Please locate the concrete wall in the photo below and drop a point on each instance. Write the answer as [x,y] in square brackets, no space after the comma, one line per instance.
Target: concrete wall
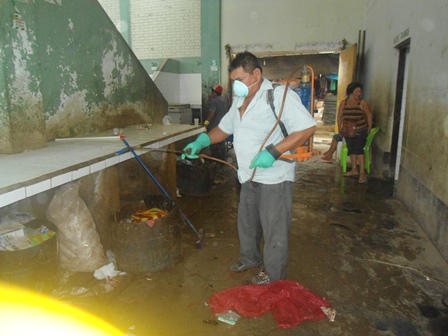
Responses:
[422,178]
[68,71]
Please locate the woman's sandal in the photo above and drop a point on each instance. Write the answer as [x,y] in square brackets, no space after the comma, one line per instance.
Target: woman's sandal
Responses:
[362,180]
[351,174]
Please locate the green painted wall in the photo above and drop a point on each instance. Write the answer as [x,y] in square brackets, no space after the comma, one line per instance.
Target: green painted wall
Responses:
[125,19]
[210,43]
[22,124]
[68,72]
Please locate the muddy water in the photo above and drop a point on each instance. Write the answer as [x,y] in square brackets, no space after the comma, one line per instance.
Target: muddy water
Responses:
[353,244]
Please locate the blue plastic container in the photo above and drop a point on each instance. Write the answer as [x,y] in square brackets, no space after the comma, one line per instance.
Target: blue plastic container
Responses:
[305,94]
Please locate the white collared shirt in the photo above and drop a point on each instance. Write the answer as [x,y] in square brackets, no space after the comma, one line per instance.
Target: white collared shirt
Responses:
[251,129]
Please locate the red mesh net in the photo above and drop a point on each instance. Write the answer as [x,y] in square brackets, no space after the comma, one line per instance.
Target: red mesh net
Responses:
[289,301]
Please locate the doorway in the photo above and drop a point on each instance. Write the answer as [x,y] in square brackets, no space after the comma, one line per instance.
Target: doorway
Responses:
[400,108]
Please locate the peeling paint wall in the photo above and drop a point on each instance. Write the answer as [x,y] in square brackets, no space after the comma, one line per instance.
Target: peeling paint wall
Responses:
[422,181]
[22,123]
[5,53]
[74,71]
[102,84]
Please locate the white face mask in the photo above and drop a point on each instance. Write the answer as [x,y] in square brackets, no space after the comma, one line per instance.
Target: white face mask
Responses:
[241,89]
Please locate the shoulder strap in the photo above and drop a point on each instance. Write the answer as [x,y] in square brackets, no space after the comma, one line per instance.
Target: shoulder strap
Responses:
[270,100]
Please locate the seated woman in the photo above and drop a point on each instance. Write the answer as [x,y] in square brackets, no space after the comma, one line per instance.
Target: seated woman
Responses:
[328,155]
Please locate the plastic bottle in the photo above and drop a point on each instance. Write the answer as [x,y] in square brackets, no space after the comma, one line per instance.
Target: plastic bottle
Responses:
[305,88]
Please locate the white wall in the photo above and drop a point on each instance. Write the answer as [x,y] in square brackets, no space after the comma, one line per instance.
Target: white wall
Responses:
[168,84]
[179,88]
[425,24]
[166,28]
[112,8]
[289,26]
[190,89]
[423,175]
[160,28]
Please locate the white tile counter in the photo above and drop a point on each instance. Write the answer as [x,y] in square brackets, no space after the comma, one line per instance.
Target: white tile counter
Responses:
[63,160]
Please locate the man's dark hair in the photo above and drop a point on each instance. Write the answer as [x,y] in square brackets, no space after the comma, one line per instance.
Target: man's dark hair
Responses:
[352,86]
[248,61]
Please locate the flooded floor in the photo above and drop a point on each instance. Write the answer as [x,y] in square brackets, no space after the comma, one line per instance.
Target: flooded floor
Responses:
[355,245]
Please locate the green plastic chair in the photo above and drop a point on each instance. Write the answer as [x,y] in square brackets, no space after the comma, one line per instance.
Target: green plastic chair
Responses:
[344,151]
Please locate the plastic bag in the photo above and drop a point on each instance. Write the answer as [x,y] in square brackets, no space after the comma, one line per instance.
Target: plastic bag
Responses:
[80,248]
[290,302]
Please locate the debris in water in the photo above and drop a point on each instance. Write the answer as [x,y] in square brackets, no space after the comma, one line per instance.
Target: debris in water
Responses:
[352,210]
[229,317]
[330,312]
[342,226]
[212,322]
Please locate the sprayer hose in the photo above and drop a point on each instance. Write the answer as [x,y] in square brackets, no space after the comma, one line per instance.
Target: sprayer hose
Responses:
[278,118]
[203,156]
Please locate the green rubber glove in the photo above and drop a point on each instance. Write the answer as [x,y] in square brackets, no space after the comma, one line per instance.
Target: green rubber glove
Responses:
[264,159]
[190,150]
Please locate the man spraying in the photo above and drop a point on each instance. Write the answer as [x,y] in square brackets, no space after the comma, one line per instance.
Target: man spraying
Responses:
[265,205]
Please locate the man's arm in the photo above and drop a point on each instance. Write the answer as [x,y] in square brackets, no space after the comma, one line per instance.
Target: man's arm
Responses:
[272,152]
[294,140]
[217,135]
[339,117]
[210,117]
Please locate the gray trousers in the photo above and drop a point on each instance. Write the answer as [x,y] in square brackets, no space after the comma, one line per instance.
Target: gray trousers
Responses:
[264,212]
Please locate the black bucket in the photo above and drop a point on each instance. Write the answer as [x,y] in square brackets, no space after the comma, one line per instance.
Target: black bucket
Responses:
[34,267]
[195,178]
[140,248]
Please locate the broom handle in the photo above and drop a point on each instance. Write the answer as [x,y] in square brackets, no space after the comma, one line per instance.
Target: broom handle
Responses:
[147,170]
[158,184]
